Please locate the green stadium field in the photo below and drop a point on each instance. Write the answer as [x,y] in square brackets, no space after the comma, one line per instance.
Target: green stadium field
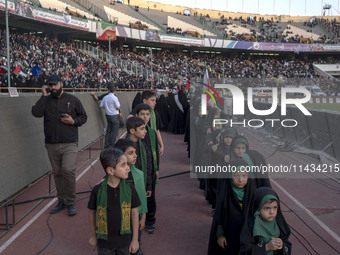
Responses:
[324,106]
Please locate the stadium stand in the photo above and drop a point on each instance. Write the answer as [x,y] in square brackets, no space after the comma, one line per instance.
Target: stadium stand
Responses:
[132,68]
[298,34]
[66,8]
[64,58]
[176,23]
[123,14]
[159,17]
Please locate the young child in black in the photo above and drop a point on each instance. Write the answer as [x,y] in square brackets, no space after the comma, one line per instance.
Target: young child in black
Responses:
[265,231]
[143,111]
[113,208]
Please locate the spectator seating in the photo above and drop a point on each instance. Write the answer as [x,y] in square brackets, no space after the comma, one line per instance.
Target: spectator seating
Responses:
[173,22]
[61,7]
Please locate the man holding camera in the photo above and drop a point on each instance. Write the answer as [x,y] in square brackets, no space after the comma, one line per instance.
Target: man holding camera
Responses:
[63,113]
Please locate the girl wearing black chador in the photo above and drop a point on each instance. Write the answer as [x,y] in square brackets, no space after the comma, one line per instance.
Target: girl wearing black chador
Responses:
[265,231]
[233,199]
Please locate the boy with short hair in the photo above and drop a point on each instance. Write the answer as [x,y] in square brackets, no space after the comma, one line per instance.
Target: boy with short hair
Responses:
[136,178]
[114,205]
[149,98]
[136,132]
[144,112]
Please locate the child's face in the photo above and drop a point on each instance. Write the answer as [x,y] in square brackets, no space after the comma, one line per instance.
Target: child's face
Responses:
[228,140]
[145,115]
[140,132]
[240,179]
[122,169]
[240,149]
[217,127]
[269,211]
[131,155]
[151,101]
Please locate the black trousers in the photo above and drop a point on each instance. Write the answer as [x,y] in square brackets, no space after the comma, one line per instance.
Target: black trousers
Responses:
[151,201]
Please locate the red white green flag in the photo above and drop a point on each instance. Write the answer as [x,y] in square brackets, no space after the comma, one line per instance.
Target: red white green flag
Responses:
[18,71]
[105,30]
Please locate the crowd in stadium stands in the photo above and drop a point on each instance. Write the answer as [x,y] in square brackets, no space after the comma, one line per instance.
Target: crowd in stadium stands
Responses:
[58,57]
[272,31]
[80,70]
[332,25]
[174,31]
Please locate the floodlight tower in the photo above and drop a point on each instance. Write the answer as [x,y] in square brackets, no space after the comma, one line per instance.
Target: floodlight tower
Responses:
[326,8]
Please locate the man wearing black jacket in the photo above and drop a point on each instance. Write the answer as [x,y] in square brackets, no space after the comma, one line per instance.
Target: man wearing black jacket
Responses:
[63,114]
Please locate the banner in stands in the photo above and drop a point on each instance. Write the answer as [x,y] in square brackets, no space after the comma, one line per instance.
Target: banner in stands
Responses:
[268,46]
[10,5]
[105,30]
[27,10]
[181,40]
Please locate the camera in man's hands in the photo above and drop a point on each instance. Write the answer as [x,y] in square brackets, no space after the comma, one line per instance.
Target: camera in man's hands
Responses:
[63,115]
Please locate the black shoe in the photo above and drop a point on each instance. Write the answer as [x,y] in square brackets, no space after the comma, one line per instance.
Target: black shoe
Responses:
[150,229]
[71,210]
[60,206]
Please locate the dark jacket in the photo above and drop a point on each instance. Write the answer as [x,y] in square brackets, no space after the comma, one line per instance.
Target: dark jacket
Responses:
[50,108]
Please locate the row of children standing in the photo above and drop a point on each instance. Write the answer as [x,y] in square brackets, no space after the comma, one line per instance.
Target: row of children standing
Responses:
[124,203]
[247,217]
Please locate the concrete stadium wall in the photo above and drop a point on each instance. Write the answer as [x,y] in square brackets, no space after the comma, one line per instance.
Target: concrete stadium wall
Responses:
[23,156]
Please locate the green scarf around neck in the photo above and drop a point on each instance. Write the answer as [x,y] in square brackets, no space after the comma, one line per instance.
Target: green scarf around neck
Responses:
[143,158]
[139,183]
[153,120]
[125,208]
[153,142]
[238,191]
[265,230]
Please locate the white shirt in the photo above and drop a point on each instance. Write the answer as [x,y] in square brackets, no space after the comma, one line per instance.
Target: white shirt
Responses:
[110,103]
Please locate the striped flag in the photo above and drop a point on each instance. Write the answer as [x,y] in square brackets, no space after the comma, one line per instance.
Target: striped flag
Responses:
[18,71]
[26,64]
[206,83]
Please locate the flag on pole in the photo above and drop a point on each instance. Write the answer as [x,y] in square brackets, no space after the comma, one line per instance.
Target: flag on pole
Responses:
[206,83]
[18,71]
[35,71]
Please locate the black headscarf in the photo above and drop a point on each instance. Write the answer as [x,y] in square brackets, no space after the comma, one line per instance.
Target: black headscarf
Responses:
[229,213]
[253,158]
[249,244]
[237,140]
[137,100]
[261,179]
[226,132]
